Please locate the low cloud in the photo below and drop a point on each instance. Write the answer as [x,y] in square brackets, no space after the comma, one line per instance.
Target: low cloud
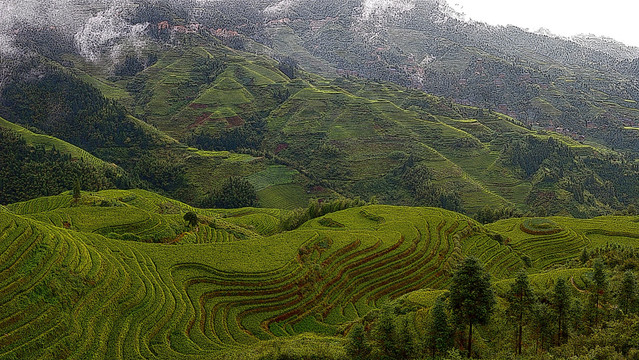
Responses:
[108,34]
[98,27]
[372,8]
[280,7]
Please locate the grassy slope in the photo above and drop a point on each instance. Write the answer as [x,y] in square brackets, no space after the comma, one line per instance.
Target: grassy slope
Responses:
[72,292]
[369,133]
[287,43]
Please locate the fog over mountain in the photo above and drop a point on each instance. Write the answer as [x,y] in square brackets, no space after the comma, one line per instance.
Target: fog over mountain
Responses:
[103,27]
[109,31]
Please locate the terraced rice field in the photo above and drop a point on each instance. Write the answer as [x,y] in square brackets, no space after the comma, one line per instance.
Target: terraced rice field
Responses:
[83,294]
[553,240]
[544,241]
[235,279]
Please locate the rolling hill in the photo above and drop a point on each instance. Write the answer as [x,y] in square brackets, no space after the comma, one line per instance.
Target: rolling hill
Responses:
[71,287]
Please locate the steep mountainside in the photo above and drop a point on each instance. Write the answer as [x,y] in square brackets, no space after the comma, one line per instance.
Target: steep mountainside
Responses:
[303,136]
[169,112]
[547,82]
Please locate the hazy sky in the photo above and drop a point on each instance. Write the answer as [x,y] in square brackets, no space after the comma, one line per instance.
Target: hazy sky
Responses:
[612,18]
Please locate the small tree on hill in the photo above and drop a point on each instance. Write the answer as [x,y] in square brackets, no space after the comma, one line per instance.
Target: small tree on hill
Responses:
[439,334]
[77,192]
[191,218]
[521,302]
[584,257]
[561,303]
[472,300]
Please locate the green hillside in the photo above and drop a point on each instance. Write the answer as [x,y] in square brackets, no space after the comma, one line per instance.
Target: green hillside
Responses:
[80,279]
[50,142]
[202,112]
[362,138]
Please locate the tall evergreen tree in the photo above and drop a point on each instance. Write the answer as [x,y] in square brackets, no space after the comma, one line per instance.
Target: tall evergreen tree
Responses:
[439,332]
[561,303]
[404,340]
[385,333]
[521,301]
[542,319]
[627,293]
[599,285]
[472,300]
[357,348]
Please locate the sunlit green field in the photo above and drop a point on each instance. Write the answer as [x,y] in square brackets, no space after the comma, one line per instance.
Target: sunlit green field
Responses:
[120,275]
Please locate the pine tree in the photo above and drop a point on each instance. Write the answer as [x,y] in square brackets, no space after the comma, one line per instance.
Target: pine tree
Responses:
[627,294]
[385,333]
[542,319]
[599,285]
[357,348]
[561,304]
[439,333]
[521,301]
[576,315]
[77,192]
[472,300]
[404,340]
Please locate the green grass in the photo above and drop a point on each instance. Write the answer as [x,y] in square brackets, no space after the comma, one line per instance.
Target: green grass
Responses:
[285,196]
[272,175]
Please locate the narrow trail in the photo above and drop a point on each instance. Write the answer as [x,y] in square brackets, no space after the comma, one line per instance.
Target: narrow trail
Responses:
[572,281]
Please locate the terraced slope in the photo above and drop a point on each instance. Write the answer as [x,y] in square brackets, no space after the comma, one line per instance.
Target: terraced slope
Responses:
[548,241]
[145,216]
[355,143]
[68,291]
[83,294]
[372,132]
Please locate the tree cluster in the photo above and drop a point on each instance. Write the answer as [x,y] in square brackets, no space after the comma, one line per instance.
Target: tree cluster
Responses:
[418,179]
[63,106]
[490,214]
[28,172]
[247,136]
[234,192]
[316,209]
[559,320]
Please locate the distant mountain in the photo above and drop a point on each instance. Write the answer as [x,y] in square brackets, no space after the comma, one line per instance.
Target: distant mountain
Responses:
[544,81]
[608,46]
